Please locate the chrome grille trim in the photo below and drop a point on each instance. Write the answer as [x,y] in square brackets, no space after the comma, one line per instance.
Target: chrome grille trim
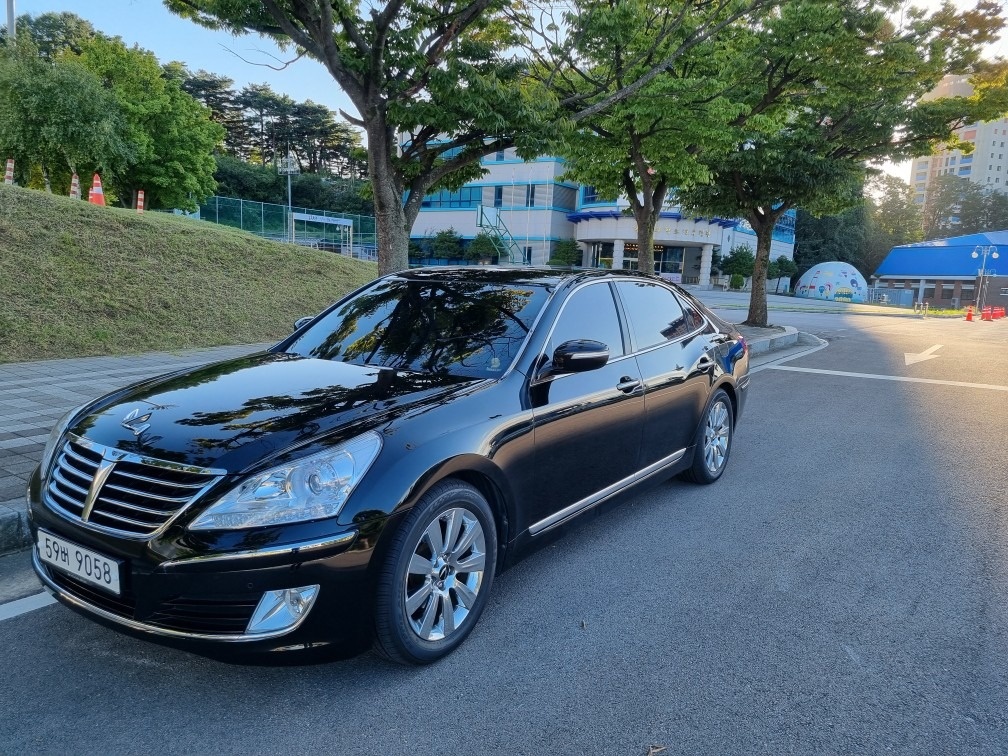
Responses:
[132,512]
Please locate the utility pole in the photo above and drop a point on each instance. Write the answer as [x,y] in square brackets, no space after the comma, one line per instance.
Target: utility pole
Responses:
[11,22]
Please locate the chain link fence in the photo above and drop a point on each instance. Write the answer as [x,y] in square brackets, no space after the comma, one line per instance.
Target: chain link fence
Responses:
[271,221]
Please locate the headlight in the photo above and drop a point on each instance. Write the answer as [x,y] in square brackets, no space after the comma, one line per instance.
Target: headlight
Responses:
[54,438]
[309,489]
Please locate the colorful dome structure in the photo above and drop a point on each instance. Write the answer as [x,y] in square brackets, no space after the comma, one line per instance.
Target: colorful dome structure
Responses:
[833,281]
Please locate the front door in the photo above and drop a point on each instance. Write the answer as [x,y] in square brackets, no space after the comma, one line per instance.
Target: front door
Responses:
[587,425]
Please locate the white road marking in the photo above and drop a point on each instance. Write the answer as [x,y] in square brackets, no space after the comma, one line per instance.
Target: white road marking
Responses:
[927,354]
[25,605]
[900,378]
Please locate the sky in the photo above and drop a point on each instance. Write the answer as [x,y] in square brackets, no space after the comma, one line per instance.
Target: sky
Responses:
[150,25]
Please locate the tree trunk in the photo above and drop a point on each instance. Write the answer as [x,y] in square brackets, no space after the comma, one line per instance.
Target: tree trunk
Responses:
[763,224]
[647,219]
[390,215]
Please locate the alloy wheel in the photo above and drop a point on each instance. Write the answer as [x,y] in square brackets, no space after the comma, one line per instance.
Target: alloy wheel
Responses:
[445,574]
[716,436]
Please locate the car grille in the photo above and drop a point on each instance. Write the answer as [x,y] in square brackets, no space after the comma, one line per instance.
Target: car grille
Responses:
[135,497]
[219,615]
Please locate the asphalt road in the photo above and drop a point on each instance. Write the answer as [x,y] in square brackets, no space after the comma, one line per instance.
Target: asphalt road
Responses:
[843,588]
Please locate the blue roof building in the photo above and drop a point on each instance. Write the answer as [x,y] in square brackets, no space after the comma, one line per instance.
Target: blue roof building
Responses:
[944,272]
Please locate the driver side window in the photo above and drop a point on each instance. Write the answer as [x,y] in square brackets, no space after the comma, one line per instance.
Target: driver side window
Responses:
[590,313]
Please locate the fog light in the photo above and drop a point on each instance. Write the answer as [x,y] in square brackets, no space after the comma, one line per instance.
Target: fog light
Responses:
[282,610]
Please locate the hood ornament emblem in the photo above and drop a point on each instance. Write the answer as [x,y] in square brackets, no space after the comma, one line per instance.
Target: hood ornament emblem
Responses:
[135,422]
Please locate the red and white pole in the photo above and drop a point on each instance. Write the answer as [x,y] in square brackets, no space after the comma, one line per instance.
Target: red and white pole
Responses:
[140,200]
[9,175]
[75,187]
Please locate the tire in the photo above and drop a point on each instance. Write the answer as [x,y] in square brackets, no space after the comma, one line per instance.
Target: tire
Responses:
[712,444]
[426,604]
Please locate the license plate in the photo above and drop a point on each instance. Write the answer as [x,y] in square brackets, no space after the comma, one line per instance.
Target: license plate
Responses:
[80,562]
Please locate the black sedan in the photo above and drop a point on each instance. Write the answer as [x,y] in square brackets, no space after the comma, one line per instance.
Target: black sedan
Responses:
[367,477]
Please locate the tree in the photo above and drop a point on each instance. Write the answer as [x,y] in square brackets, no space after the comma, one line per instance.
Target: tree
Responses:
[830,237]
[432,84]
[54,33]
[740,261]
[447,244]
[481,248]
[782,267]
[633,148]
[841,87]
[217,94]
[566,252]
[42,108]
[171,134]
[438,86]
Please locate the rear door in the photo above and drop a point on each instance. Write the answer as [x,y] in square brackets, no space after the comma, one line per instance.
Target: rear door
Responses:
[674,361]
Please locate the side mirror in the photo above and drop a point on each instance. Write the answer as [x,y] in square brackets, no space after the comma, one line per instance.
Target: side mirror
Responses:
[302,322]
[579,356]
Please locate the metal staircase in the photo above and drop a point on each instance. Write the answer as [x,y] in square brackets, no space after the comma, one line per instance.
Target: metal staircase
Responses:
[489,219]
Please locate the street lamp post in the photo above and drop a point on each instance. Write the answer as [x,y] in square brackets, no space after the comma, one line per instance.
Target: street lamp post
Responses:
[983,251]
[288,166]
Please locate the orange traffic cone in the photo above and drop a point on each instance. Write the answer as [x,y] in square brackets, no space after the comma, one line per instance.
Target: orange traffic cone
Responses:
[9,175]
[75,187]
[140,200]
[96,196]
[969,314]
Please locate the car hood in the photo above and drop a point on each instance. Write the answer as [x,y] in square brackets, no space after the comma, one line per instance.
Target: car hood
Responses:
[230,415]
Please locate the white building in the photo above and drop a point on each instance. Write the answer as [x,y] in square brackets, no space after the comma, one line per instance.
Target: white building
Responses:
[529,204]
[986,165]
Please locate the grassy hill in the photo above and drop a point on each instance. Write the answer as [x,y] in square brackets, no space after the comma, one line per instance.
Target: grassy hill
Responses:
[79,280]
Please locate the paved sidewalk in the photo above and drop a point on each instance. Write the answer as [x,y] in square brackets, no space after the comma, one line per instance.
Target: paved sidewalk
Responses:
[34,395]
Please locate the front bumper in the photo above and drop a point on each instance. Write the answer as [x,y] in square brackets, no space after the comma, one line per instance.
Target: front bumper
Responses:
[206,601]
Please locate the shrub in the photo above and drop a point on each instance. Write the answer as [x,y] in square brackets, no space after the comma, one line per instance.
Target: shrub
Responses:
[447,244]
[566,253]
[737,281]
[481,248]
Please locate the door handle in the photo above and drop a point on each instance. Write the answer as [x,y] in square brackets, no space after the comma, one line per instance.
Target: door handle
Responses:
[706,363]
[628,385]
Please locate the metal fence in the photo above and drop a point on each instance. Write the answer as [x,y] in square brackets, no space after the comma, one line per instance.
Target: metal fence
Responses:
[881,295]
[272,222]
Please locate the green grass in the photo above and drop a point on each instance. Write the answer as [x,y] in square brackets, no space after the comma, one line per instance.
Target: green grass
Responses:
[78,280]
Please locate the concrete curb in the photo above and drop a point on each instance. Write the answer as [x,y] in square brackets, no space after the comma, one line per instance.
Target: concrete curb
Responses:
[14,534]
[773,343]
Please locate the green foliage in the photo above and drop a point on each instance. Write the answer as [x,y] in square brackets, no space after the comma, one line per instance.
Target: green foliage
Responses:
[53,33]
[171,134]
[78,280]
[740,261]
[452,88]
[447,244]
[58,116]
[782,267]
[481,248]
[736,281]
[975,208]
[633,148]
[566,252]
[842,88]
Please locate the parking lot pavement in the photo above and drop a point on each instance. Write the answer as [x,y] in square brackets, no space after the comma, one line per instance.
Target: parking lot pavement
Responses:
[34,395]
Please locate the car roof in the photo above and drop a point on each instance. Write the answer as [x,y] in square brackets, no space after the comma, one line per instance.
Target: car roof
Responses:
[499,274]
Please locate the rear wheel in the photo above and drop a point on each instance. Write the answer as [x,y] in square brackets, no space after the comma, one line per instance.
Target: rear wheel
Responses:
[713,442]
[439,570]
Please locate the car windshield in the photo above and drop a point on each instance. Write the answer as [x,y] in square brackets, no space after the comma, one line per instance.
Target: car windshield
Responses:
[471,329]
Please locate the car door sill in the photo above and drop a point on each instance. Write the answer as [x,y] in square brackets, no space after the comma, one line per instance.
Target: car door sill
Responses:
[598,497]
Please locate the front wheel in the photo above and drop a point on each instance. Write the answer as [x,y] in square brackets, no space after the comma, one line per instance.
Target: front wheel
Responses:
[713,442]
[439,570]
